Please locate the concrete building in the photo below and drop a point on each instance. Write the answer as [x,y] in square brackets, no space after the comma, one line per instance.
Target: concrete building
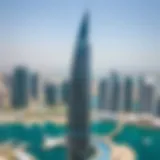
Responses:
[78,137]
[20,87]
[103,94]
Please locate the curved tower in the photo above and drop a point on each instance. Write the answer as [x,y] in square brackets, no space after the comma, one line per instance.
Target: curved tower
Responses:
[80,96]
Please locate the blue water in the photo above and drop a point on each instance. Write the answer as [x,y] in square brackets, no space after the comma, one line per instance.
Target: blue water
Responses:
[104,149]
[145,141]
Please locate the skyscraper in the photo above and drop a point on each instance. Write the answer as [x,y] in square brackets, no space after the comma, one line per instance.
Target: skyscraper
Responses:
[148,98]
[80,96]
[103,90]
[158,107]
[128,91]
[66,92]
[141,88]
[34,85]
[50,94]
[114,92]
[20,87]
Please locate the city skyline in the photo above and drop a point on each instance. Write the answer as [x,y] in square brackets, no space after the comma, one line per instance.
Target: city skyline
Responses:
[40,34]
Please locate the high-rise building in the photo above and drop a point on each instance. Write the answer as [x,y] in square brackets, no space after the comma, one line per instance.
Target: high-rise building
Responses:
[114,92]
[50,94]
[3,92]
[158,107]
[141,89]
[148,98]
[80,96]
[20,87]
[103,96]
[65,92]
[34,85]
[128,91]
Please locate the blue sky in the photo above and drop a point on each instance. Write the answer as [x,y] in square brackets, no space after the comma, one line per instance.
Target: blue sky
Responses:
[41,33]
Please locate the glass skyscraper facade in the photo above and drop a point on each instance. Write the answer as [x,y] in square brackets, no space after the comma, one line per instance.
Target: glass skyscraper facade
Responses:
[103,94]
[141,90]
[128,92]
[34,85]
[20,87]
[80,96]
[158,107]
[50,94]
[148,98]
[65,92]
[114,92]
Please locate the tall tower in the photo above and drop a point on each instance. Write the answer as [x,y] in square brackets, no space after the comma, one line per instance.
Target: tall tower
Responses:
[141,89]
[80,96]
[115,92]
[158,107]
[128,91]
[34,85]
[66,92]
[103,90]
[50,94]
[20,87]
[148,98]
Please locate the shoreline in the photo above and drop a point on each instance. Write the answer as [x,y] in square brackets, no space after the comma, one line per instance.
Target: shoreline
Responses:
[57,115]
[38,117]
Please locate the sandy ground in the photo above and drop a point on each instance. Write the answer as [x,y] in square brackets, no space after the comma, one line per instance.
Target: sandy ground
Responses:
[33,115]
[8,152]
[119,152]
[58,115]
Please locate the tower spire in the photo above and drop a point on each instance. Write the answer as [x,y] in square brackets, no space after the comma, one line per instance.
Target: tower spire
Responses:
[84,27]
